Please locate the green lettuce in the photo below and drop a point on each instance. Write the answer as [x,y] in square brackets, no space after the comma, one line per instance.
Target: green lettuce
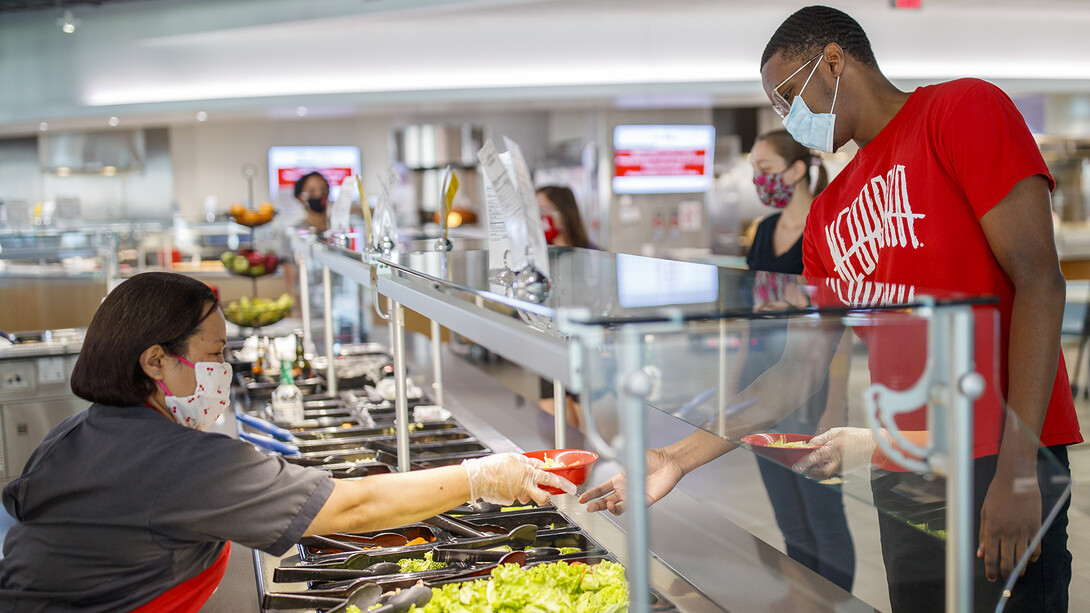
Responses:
[558,587]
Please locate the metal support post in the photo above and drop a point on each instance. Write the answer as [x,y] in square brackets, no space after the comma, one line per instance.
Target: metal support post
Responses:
[437,360]
[304,299]
[635,386]
[964,385]
[725,393]
[401,402]
[327,293]
[560,415]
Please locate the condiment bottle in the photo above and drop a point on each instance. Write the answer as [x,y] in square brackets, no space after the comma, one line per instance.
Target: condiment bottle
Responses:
[301,366]
[287,398]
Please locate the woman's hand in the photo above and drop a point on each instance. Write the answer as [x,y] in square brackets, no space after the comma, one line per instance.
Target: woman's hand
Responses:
[663,473]
[506,477]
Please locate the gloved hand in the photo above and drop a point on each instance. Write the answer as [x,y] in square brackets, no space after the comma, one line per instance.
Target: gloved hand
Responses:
[843,450]
[506,477]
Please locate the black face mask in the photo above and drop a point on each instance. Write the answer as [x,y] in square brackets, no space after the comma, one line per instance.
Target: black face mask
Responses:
[316,204]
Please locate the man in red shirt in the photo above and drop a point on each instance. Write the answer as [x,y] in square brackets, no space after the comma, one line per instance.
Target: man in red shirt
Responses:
[947,192]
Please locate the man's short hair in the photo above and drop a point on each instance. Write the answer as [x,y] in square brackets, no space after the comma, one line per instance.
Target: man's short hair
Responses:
[804,34]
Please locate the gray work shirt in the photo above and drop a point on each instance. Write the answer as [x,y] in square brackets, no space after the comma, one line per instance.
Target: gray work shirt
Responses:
[118,505]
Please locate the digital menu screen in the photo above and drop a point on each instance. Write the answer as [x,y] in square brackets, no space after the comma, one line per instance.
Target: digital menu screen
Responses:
[658,159]
[287,164]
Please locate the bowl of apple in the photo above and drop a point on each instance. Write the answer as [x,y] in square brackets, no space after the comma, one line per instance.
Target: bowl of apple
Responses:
[250,263]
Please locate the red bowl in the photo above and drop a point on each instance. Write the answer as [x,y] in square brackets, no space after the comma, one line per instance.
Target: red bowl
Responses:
[576,463]
[788,456]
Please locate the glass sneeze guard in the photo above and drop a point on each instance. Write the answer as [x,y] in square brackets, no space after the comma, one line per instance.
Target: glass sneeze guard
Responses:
[735,354]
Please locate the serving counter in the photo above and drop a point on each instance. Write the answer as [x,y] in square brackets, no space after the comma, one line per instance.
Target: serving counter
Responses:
[655,345]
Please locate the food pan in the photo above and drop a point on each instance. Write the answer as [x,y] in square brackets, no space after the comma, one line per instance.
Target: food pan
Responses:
[262,390]
[428,451]
[377,431]
[341,566]
[321,458]
[357,471]
[545,520]
[334,444]
[309,551]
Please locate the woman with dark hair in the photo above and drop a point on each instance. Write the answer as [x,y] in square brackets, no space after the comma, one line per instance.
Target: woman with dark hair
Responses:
[560,214]
[312,190]
[130,506]
[788,176]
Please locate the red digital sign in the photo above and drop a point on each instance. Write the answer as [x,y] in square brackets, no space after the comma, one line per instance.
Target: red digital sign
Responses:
[288,176]
[658,162]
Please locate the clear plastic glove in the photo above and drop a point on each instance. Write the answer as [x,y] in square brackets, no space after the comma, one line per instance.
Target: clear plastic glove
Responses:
[506,477]
[842,450]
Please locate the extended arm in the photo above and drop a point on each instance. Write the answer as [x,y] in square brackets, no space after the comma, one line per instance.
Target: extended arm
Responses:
[1019,230]
[771,397]
[386,501]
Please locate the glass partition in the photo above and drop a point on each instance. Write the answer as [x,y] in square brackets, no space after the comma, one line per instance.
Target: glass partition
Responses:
[893,380]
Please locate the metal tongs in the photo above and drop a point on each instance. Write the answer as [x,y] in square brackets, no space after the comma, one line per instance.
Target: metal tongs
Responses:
[364,563]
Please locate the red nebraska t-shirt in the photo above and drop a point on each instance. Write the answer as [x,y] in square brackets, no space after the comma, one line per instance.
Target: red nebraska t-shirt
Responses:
[905,213]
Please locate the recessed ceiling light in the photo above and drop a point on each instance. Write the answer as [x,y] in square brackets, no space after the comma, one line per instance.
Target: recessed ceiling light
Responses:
[113,121]
[67,22]
[202,116]
[109,171]
[301,111]
[43,126]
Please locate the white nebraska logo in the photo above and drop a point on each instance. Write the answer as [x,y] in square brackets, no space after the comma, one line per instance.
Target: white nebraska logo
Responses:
[880,216]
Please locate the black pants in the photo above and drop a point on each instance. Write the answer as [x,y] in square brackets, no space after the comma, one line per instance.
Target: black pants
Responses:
[916,562]
[811,518]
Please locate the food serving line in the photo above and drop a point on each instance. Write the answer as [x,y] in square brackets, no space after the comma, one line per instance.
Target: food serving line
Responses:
[354,436]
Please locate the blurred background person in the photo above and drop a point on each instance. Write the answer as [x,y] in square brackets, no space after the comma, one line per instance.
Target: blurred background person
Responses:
[788,176]
[560,217]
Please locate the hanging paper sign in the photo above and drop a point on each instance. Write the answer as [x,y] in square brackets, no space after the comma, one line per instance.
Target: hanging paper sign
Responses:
[506,220]
[535,234]
[366,214]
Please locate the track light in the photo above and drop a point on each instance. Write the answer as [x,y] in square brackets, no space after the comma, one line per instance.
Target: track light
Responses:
[67,22]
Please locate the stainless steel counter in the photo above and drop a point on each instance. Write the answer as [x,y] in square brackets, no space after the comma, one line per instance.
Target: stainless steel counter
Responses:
[35,394]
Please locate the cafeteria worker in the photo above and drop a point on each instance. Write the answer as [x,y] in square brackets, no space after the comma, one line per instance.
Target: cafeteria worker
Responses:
[129,505]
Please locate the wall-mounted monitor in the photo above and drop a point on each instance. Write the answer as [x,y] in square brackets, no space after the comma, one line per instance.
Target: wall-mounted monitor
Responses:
[660,159]
[287,164]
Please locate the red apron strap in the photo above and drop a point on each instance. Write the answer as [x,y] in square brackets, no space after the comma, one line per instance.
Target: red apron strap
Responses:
[189,596]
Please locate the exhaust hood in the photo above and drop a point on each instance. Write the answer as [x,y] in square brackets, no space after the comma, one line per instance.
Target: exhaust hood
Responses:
[94,152]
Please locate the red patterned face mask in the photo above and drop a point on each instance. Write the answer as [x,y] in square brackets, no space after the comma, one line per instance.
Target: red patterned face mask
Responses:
[208,401]
[773,190]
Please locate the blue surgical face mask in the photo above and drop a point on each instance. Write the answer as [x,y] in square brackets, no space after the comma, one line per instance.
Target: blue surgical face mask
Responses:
[810,129]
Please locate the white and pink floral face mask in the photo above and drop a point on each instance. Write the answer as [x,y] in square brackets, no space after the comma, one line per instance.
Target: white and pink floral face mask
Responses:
[209,400]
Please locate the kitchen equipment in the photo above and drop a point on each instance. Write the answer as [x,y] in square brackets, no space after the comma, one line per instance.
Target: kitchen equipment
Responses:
[417,595]
[361,593]
[269,443]
[464,528]
[287,574]
[35,394]
[263,426]
[473,556]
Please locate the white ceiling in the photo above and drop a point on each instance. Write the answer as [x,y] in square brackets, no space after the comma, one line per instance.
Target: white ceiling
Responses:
[164,60]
